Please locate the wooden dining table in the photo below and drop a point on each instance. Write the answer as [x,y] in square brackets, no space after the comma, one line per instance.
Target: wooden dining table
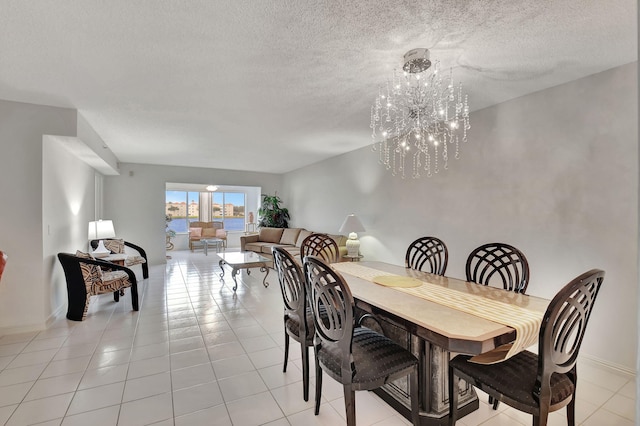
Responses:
[434,330]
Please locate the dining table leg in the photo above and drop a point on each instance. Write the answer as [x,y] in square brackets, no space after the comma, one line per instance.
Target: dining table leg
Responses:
[433,373]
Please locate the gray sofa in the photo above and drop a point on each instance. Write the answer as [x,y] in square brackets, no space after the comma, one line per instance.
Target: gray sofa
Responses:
[289,238]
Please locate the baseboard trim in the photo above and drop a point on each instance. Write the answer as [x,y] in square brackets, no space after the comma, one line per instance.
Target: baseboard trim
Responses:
[4,331]
[607,366]
[60,312]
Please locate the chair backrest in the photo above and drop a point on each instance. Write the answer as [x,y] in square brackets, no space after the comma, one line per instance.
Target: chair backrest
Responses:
[291,285]
[563,327]
[501,263]
[333,308]
[79,274]
[428,254]
[218,224]
[321,245]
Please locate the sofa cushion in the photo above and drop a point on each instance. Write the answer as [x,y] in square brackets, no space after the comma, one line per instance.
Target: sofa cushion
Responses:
[290,236]
[301,237]
[195,232]
[340,240]
[258,247]
[266,249]
[293,250]
[270,235]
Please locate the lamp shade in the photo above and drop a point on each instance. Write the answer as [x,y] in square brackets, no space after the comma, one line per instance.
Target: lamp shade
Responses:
[351,224]
[101,229]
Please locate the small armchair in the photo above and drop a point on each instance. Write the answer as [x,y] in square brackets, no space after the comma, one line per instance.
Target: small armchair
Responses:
[203,230]
[87,277]
[118,246]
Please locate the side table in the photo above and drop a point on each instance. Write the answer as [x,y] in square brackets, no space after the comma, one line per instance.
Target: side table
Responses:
[117,258]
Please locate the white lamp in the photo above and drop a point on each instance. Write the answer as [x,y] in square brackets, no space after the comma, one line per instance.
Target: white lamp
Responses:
[97,231]
[352,225]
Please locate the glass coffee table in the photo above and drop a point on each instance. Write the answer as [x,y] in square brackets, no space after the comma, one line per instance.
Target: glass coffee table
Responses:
[211,242]
[244,260]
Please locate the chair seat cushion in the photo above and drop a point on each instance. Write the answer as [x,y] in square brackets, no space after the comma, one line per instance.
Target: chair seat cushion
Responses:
[293,327]
[135,260]
[515,377]
[375,358]
[111,281]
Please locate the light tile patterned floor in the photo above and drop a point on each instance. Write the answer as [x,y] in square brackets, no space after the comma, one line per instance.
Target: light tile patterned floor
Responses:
[196,354]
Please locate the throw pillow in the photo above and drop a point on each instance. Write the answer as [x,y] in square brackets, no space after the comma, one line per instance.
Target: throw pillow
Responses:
[114,246]
[84,255]
[92,274]
[195,232]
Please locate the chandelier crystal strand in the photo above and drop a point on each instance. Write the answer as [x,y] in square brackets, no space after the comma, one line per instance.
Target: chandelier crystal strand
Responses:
[417,114]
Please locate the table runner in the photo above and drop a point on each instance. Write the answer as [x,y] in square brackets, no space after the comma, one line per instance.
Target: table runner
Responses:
[524,321]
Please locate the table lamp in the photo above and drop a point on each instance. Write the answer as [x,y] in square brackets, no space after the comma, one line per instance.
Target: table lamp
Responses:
[98,230]
[352,225]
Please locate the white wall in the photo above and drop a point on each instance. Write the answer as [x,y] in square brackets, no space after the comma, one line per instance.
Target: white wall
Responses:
[25,284]
[135,200]
[554,173]
[68,204]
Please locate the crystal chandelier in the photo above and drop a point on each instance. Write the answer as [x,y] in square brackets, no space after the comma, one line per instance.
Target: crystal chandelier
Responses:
[416,116]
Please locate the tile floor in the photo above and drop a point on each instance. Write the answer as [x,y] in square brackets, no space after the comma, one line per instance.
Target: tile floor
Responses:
[196,354]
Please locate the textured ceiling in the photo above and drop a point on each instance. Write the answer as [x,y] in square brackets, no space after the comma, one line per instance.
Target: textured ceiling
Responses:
[275,85]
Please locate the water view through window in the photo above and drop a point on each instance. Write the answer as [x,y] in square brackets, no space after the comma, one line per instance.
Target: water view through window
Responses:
[184,207]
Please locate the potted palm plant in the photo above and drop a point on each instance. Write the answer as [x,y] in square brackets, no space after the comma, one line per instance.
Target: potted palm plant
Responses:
[272,214]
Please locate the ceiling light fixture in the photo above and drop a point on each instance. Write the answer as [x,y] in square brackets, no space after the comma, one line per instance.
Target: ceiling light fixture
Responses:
[417,115]
[212,188]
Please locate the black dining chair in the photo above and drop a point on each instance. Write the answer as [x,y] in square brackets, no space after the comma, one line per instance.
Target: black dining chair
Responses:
[543,383]
[428,254]
[321,245]
[298,318]
[357,357]
[498,264]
